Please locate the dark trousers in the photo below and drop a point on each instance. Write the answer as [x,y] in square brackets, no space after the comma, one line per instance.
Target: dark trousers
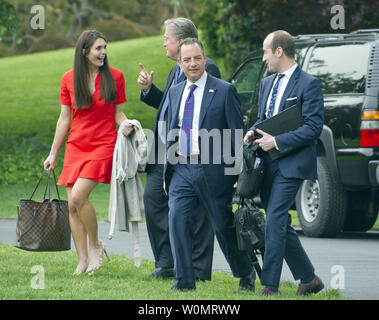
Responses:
[189,188]
[156,211]
[282,242]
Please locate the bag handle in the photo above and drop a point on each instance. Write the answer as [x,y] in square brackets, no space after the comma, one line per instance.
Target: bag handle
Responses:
[241,201]
[47,188]
[39,181]
[56,187]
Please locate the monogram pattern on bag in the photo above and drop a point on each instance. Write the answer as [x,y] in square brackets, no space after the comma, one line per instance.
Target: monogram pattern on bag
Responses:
[43,226]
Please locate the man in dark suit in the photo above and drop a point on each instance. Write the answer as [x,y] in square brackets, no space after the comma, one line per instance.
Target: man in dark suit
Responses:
[195,171]
[283,177]
[155,199]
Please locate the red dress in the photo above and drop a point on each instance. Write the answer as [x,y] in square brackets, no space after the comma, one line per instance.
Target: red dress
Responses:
[93,133]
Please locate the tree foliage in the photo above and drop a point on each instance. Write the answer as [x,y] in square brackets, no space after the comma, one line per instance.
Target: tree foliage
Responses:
[66,19]
[9,21]
[232,28]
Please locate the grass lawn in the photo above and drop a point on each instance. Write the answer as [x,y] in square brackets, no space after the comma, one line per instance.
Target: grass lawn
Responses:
[118,279]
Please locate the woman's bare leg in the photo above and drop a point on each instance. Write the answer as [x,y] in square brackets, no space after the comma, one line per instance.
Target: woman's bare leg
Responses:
[80,198]
[79,234]
[80,194]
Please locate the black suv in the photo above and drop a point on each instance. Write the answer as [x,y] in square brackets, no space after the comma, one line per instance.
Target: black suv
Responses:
[346,194]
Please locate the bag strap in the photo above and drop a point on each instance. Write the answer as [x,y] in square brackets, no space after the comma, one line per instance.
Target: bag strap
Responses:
[241,202]
[56,187]
[251,204]
[35,189]
[47,188]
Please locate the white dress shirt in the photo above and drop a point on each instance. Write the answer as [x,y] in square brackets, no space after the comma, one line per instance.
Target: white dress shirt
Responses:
[198,97]
[281,88]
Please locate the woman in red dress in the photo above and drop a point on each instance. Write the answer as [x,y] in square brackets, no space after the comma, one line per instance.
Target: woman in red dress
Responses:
[93,94]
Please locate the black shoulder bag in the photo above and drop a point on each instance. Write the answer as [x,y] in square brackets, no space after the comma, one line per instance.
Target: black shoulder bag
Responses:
[251,178]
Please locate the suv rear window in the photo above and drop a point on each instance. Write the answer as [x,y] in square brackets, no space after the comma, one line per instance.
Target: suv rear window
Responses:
[245,82]
[341,68]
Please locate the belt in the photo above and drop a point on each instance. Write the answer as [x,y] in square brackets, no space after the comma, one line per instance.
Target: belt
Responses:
[192,158]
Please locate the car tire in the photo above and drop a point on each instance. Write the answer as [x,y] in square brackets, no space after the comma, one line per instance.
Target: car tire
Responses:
[362,212]
[321,204]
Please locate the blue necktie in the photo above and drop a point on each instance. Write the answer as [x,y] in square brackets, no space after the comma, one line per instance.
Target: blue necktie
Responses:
[185,135]
[273,96]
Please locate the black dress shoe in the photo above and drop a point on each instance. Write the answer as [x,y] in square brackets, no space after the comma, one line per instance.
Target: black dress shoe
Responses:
[174,288]
[200,279]
[162,273]
[314,286]
[247,283]
[268,292]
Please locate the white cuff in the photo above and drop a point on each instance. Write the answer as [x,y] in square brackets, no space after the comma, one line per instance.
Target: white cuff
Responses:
[276,146]
[145,92]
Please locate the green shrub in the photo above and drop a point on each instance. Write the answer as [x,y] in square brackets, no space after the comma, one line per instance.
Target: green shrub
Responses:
[3,50]
[22,157]
[118,28]
[51,41]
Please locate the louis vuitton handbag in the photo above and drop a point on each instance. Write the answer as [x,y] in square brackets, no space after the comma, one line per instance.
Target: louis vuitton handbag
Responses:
[43,226]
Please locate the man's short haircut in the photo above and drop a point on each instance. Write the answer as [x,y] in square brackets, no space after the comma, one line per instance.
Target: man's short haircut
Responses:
[188,41]
[284,40]
[181,28]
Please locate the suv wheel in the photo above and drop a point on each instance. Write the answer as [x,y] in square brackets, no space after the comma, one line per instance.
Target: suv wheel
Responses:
[321,204]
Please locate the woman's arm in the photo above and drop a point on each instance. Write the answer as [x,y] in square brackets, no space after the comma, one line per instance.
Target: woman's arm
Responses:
[60,132]
[120,117]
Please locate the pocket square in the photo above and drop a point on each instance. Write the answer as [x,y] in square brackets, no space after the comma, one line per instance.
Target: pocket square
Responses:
[290,99]
[211,90]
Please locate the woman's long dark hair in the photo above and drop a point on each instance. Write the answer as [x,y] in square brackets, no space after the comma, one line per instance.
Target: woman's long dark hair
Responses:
[83,96]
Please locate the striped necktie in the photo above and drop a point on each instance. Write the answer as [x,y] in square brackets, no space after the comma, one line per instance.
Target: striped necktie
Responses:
[185,134]
[273,96]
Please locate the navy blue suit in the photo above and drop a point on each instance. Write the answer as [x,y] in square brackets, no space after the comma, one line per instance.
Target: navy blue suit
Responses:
[156,201]
[191,185]
[283,177]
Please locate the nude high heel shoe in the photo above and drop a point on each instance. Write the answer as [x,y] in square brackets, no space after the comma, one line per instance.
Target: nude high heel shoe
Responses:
[80,269]
[96,259]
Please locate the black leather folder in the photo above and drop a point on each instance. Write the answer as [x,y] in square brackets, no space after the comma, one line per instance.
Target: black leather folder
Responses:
[287,120]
